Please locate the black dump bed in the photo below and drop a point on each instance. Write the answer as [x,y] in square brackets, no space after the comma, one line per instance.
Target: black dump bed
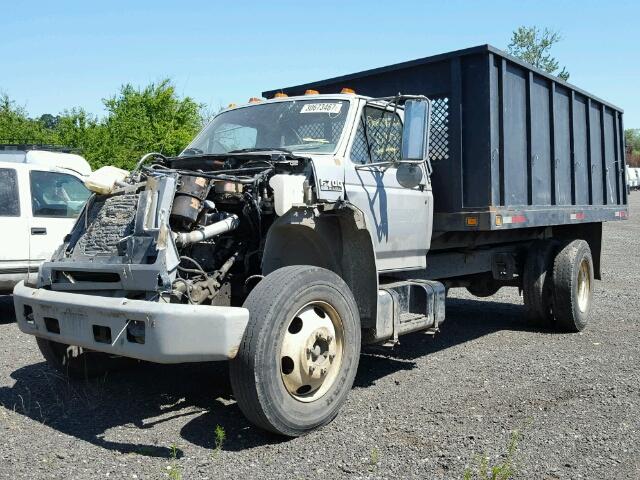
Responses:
[511,146]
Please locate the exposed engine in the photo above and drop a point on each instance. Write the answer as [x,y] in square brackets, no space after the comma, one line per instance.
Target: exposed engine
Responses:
[187,230]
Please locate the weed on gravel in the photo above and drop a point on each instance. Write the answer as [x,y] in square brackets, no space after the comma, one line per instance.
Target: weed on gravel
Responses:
[220,437]
[504,470]
[173,469]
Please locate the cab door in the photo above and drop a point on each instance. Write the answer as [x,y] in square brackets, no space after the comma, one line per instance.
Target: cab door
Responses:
[14,240]
[56,201]
[398,218]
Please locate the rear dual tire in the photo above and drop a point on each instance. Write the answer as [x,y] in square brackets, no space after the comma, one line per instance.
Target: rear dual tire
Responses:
[537,282]
[558,284]
[573,286]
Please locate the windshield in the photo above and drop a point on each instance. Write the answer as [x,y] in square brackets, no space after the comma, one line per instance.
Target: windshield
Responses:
[296,125]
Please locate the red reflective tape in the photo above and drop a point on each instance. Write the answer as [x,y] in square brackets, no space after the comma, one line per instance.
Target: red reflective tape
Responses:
[518,219]
[577,216]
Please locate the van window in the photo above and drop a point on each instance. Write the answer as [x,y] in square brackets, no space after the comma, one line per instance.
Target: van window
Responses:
[56,194]
[9,198]
[384,133]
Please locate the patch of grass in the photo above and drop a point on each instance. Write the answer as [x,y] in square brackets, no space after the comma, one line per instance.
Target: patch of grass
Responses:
[221,436]
[502,471]
[173,469]
[374,458]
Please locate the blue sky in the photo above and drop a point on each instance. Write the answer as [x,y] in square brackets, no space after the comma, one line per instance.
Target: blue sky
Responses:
[57,55]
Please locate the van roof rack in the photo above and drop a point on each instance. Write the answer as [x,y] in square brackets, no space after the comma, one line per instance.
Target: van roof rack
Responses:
[25,147]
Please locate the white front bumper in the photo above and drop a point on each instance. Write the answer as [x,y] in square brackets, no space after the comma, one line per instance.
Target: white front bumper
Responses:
[173,333]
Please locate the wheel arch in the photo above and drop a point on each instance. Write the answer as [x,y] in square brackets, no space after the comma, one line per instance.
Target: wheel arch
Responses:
[590,233]
[337,240]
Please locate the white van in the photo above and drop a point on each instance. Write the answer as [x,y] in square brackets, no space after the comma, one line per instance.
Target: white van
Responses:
[41,194]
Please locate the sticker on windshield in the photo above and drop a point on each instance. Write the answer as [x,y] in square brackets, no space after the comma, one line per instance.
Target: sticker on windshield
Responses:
[321,108]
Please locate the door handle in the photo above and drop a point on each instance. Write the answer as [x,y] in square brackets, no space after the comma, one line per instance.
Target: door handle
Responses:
[38,231]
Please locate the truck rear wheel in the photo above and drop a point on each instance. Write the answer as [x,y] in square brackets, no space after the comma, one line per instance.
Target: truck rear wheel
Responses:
[484,288]
[300,352]
[573,286]
[77,363]
[537,288]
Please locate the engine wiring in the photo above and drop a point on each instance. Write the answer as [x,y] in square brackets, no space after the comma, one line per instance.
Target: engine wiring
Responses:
[236,184]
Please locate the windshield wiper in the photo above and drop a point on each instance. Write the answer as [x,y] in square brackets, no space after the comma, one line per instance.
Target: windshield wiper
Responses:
[192,151]
[309,146]
[251,150]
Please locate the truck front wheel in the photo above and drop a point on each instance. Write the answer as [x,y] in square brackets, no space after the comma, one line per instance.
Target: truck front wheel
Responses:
[78,363]
[573,286]
[300,352]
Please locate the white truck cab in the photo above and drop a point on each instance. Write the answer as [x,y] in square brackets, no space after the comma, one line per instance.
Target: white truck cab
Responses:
[41,194]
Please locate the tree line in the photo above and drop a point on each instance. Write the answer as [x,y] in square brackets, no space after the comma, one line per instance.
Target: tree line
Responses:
[137,121]
[632,141]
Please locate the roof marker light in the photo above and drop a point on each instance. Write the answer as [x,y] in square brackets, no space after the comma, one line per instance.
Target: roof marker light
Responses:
[232,105]
[254,100]
[280,95]
[350,91]
[311,92]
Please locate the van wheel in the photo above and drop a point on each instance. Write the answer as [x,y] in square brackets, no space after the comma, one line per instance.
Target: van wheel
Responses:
[78,363]
[300,351]
[537,282]
[573,286]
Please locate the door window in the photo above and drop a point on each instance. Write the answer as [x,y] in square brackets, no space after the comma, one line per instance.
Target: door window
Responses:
[56,194]
[9,198]
[378,137]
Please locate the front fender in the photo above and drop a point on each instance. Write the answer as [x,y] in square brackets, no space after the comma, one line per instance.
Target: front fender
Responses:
[334,237]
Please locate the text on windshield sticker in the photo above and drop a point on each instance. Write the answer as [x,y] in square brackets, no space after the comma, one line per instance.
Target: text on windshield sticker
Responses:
[321,108]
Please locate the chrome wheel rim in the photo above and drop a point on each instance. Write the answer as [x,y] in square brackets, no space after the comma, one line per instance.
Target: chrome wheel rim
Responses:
[312,350]
[584,286]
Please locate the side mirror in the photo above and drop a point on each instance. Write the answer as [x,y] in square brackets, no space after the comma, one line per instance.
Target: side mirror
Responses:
[409,175]
[415,131]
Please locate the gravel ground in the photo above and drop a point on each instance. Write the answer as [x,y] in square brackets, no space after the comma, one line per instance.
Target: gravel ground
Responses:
[427,409]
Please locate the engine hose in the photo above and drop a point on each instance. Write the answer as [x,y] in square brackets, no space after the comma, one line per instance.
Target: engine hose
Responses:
[231,222]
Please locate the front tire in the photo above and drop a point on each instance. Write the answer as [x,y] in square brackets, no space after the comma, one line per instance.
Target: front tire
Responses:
[300,351]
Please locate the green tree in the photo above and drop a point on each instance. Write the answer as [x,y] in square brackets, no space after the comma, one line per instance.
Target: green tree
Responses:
[632,140]
[79,129]
[49,121]
[534,45]
[17,127]
[138,121]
